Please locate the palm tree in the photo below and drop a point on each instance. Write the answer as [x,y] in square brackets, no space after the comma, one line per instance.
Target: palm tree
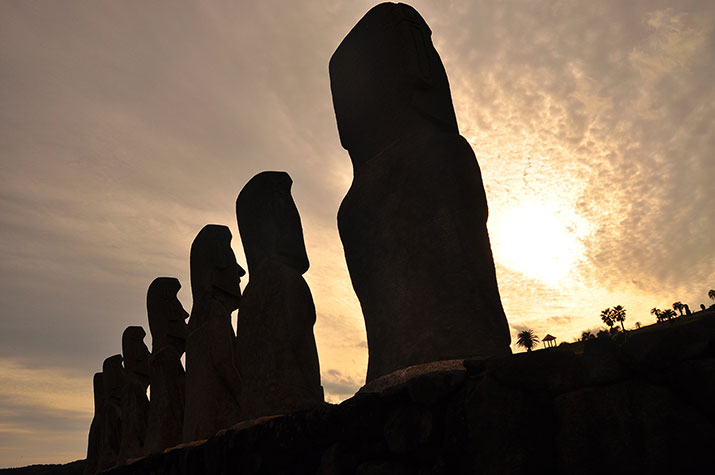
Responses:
[527,339]
[618,314]
[711,294]
[658,314]
[638,324]
[678,306]
[667,314]
[587,336]
[606,317]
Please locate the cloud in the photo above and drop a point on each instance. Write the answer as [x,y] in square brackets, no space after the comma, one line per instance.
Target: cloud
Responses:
[125,130]
[338,385]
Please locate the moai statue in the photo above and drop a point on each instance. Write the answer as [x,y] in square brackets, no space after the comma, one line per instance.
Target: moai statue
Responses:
[275,346]
[413,224]
[94,444]
[213,384]
[113,384]
[168,333]
[135,404]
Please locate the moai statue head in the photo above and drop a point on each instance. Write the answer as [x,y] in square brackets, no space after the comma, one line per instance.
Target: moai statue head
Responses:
[214,268]
[167,317]
[113,379]
[269,222]
[135,352]
[388,81]
[98,385]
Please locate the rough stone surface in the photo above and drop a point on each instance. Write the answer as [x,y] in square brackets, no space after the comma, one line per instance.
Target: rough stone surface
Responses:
[168,331]
[413,224]
[213,384]
[94,443]
[135,404]
[655,416]
[275,347]
[113,382]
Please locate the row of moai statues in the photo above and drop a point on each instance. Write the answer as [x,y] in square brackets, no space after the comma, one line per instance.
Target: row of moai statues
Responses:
[269,367]
[413,228]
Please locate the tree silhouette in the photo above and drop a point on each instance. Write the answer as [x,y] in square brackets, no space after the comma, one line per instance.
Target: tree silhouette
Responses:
[606,317]
[587,336]
[678,306]
[658,314]
[618,314]
[711,294]
[638,324]
[527,339]
[667,314]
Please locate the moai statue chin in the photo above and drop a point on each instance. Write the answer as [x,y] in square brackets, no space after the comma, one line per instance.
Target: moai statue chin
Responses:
[168,332]
[413,224]
[135,404]
[213,384]
[94,444]
[113,387]
[275,346]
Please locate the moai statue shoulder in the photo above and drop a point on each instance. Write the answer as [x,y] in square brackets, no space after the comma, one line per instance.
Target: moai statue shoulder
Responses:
[167,323]
[213,384]
[135,404]
[94,443]
[413,224]
[113,385]
[275,345]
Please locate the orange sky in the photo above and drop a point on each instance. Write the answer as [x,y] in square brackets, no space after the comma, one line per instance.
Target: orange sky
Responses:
[127,126]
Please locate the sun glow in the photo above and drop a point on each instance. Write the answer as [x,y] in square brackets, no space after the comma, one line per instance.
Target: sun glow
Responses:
[538,240]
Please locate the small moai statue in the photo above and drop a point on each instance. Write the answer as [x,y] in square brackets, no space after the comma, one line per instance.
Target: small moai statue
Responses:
[113,384]
[94,444]
[167,378]
[413,224]
[275,346]
[135,404]
[213,384]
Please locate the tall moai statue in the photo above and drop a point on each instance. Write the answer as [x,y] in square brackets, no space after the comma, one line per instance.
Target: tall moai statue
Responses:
[213,384]
[413,224]
[113,385]
[275,346]
[94,443]
[135,404]
[168,333]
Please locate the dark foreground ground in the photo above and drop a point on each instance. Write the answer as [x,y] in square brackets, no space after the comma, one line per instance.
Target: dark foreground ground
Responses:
[646,406]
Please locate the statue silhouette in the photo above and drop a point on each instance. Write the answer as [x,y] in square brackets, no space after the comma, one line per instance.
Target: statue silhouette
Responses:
[213,384]
[276,353]
[413,224]
[168,332]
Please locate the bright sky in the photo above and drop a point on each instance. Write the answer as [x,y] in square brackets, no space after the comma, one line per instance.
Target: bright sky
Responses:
[127,126]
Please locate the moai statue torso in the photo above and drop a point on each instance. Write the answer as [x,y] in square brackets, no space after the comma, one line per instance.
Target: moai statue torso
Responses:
[135,404]
[167,379]
[413,224]
[213,385]
[276,353]
[94,444]
[113,384]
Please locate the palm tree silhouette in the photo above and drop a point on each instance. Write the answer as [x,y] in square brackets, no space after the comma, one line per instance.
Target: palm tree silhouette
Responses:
[618,314]
[606,317]
[711,294]
[678,306]
[527,339]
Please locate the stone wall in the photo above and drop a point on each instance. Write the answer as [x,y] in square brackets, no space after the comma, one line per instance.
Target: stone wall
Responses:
[643,407]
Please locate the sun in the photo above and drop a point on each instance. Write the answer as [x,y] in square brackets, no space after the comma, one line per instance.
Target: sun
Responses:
[538,240]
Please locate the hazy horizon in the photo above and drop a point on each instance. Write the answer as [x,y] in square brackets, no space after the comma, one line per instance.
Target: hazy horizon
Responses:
[128,126]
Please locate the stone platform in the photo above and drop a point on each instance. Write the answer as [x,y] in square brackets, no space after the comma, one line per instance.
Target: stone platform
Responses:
[644,407]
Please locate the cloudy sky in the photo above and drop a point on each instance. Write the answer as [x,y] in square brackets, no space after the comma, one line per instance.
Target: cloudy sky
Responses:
[127,126]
